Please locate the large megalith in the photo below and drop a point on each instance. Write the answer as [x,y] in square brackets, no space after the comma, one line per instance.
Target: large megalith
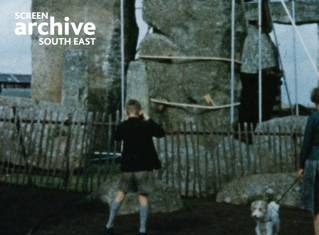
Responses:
[262,187]
[186,28]
[306,11]
[102,59]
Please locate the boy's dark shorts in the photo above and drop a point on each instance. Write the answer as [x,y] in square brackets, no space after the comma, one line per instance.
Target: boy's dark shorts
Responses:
[141,182]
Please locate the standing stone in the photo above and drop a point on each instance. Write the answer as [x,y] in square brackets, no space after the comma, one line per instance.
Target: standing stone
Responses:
[137,87]
[246,189]
[75,86]
[307,11]
[103,64]
[186,28]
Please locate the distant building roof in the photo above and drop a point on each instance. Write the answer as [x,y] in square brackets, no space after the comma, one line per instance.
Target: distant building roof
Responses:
[15,78]
[16,92]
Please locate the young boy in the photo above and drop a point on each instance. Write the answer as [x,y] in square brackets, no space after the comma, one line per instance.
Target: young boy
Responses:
[139,159]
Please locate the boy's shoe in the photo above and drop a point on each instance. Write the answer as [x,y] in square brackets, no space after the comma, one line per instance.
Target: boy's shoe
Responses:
[109,231]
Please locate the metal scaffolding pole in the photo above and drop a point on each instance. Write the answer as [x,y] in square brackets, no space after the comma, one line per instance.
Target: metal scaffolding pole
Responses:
[232,80]
[260,101]
[122,61]
[293,7]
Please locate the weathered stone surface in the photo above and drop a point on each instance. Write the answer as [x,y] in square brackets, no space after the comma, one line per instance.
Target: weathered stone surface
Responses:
[247,189]
[157,44]
[103,59]
[187,28]
[28,103]
[195,26]
[163,199]
[137,87]
[290,122]
[75,84]
[307,11]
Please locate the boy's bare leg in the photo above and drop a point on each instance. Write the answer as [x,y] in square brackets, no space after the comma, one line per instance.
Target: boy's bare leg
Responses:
[144,211]
[316,224]
[114,208]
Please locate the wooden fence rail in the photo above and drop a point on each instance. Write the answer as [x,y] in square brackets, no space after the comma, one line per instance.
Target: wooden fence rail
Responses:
[77,152]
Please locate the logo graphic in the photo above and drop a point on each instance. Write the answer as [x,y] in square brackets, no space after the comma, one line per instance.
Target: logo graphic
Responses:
[52,32]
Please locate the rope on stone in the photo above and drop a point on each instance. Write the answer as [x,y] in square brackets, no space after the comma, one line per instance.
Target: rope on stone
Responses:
[197,58]
[182,105]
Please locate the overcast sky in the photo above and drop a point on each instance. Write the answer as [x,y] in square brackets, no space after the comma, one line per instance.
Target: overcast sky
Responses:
[306,77]
[15,50]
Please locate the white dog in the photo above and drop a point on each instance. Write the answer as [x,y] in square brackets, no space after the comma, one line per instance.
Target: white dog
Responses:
[266,216]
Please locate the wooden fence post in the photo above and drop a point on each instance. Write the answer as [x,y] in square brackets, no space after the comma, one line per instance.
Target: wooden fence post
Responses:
[68,123]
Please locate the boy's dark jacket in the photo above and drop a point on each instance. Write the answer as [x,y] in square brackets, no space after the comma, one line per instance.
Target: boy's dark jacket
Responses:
[139,153]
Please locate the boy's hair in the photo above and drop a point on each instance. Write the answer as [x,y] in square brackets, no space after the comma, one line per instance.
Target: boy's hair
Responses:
[315,95]
[133,107]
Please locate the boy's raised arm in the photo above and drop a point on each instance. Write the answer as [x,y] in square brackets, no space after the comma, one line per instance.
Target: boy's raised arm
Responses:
[156,129]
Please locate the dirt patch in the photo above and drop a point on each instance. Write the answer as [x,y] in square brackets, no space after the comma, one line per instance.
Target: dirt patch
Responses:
[22,207]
